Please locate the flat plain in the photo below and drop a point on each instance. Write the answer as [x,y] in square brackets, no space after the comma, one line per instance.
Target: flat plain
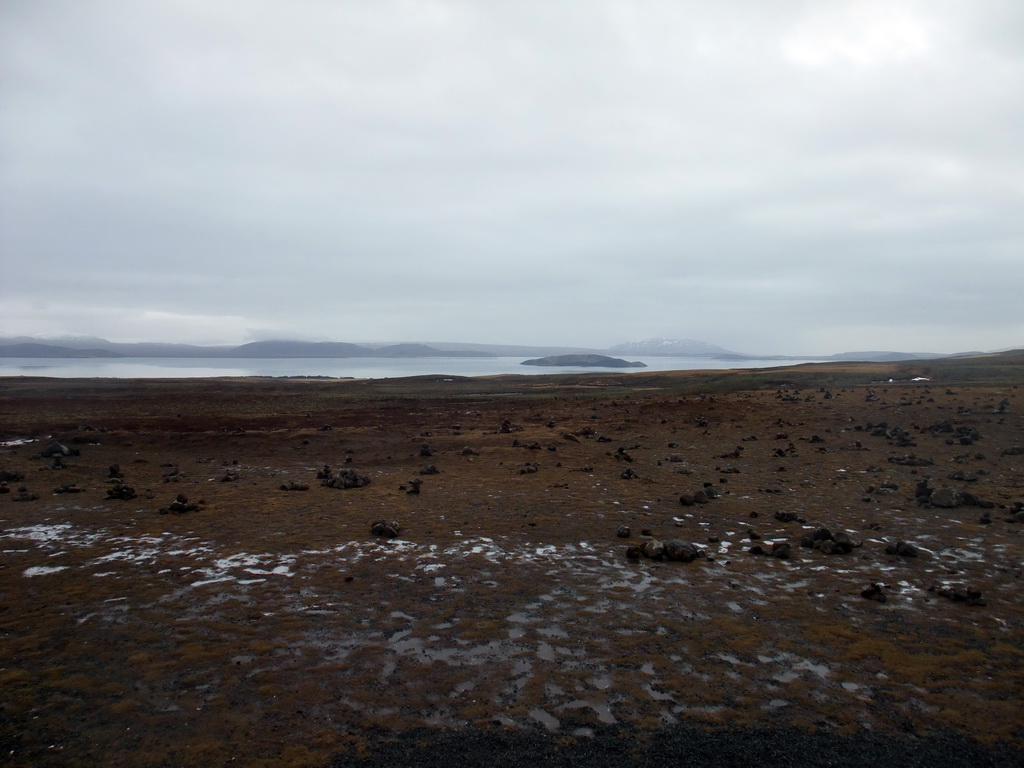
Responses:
[267,626]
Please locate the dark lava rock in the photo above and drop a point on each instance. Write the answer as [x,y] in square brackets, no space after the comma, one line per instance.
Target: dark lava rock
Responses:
[624,532]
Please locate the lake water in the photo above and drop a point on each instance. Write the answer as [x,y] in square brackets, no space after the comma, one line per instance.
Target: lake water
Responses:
[350,367]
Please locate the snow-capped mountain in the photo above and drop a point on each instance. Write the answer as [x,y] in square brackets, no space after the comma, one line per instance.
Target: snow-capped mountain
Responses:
[670,348]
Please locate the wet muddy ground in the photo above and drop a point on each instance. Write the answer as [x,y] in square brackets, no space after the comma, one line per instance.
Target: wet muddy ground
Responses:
[272,627]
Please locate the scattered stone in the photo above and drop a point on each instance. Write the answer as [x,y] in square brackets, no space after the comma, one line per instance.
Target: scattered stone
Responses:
[292,486]
[624,532]
[628,474]
[25,495]
[529,468]
[467,451]
[910,460]
[414,487]
[430,469]
[68,489]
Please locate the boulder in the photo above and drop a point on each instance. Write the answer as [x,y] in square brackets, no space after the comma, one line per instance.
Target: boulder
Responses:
[681,551]
[946,498]
[653,549]
[56,449]
[782,550]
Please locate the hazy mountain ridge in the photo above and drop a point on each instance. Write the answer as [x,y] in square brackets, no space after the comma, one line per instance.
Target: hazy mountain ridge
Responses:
[91,346]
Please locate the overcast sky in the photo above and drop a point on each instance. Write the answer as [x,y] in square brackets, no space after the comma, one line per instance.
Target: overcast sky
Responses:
[771,176]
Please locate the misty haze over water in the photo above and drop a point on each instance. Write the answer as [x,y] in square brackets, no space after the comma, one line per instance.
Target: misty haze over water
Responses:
[360,368]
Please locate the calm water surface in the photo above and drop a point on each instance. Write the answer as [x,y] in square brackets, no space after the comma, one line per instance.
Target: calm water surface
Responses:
[353,367]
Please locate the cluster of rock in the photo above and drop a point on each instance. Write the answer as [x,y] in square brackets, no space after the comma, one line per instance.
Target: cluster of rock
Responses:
[780,549]
[56,450]
[345,478]
[121,490]
[390,529]
[963,434]
[672,550]
[828,543]
[959,594]
[293,486]
[788,517]
[179,506]
[901,548]
[702,496]
[948,497]
[23,494]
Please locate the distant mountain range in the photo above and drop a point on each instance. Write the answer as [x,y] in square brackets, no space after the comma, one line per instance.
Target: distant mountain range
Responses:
[94,347]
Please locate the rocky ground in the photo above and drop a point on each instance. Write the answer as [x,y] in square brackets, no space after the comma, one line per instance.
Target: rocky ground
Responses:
[313,572]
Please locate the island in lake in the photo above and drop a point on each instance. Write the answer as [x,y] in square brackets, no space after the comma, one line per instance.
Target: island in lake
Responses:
[587,361]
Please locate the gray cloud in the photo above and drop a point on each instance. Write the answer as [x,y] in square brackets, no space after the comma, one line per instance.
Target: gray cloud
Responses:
[773,177]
